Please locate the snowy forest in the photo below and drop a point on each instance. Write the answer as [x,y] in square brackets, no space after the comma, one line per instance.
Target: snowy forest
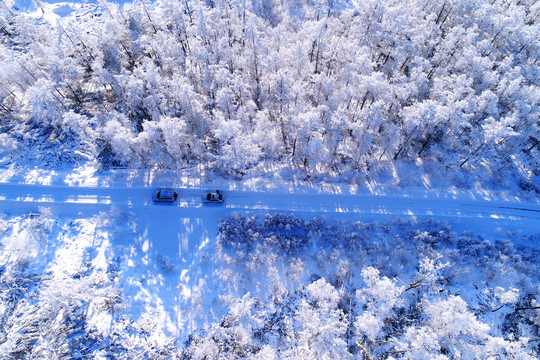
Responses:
[278,287]
[321,87]
[323,96]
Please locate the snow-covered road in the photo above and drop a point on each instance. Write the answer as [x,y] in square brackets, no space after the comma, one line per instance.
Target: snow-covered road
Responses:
[25,197]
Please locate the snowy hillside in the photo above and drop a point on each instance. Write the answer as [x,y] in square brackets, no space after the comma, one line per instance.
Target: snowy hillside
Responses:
[380,163]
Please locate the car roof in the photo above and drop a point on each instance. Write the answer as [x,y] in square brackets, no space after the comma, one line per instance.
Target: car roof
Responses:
[166,193]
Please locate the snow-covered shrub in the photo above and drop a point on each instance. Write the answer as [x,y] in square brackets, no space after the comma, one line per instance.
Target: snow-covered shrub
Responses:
[284,232]
[8,148]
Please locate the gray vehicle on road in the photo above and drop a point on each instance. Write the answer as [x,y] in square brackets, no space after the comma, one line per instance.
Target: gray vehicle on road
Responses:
[213,197]
[165,195]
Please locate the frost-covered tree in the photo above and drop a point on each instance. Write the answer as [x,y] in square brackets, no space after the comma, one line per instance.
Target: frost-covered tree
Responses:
[379,299]
[321,324]
[319,87]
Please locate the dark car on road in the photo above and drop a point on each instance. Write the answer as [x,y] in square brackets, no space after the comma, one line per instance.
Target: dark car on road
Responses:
[213,197]
[165,195]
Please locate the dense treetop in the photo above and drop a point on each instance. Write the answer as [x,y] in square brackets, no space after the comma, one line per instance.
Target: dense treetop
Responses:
[320,86]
